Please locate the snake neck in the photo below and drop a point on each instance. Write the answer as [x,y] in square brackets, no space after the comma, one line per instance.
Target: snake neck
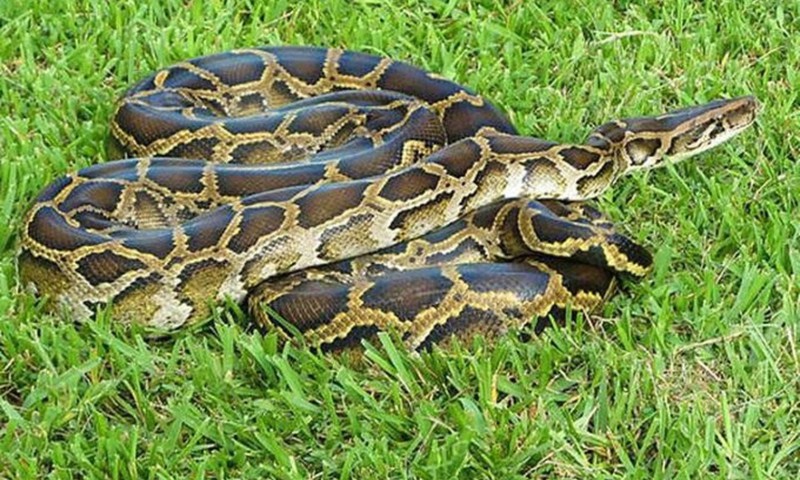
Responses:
[507,166]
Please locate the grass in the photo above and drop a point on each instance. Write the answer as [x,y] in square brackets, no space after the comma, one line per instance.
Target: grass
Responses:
[691,374]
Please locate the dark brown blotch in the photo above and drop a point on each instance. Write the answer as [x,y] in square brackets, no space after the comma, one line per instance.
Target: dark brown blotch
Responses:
[106,266]
[158,243]
[596,255]
[147,125]
[634,252]
[515,144]
[663,123]
[196,148]
[611,131]
[592,215]
[408,293]
[180,77]
[329,202]
[316,120]
[233,68]
[360,159]
[51,230]
[403,78]
[93,220]
[580,277]
[177,175]
[352,339]
[464,119]
[99,194]
[280,94]
[268,122]
[553,229]
[408,185]
[309,305]
[52,190]
[305,64]
[166,99]
[257,222]
[145,85]
[525,282]
[457,158]
[421,124]
[580,158]
[486,216]
[241,180]
[357,64]
[445,233]
[206,231]
[377,120]
[469,322]
[125,170]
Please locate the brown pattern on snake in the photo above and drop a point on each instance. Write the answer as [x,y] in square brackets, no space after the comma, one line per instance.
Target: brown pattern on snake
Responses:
[415,190]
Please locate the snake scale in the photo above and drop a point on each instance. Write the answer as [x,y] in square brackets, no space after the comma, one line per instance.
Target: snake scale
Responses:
[348,193]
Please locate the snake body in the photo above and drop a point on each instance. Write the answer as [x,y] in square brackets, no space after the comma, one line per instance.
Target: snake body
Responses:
[347,192]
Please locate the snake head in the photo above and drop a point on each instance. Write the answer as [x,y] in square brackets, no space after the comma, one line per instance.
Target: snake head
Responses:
[647,142]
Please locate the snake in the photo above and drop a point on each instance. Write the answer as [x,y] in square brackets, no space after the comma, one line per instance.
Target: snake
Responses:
[339,194]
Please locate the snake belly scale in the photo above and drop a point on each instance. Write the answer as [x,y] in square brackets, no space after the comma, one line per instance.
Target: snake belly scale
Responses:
[348,192]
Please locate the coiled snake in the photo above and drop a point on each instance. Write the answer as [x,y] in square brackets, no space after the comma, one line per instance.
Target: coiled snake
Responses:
[349,193]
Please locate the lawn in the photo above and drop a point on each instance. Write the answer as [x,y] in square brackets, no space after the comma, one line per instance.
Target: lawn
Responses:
[692,373]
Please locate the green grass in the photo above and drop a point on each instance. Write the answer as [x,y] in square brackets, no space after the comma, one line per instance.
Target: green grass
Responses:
[691,374]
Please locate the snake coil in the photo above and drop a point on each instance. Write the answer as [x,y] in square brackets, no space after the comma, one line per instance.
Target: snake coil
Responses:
[351,194]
